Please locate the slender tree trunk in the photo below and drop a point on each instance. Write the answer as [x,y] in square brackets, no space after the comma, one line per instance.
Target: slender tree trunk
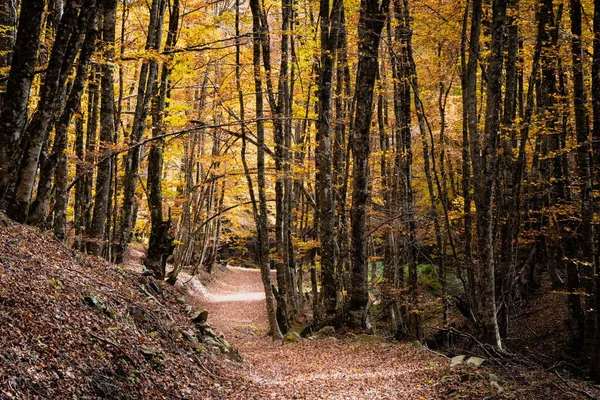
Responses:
[586,229]
[66,46]
[107,131]
[330,27]
[93,108]
[410,322]
[596,152]
[370,26]
[18,87]
[468,85]
[262,221]
[80,170]
[161,245]
[486,177]
[147,80]
[39,208]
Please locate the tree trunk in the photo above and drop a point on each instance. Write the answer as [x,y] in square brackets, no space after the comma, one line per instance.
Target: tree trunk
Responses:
[261,213]
[68,41]
[586,229]
[18,87]
[161,245]
[370,26]
[107,131]
[486,176]
[596,161]
[147,80]
[469,112]
[39,208]
[330,27]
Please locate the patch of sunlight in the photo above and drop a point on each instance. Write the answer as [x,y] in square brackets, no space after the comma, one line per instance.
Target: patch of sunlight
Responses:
[248,296]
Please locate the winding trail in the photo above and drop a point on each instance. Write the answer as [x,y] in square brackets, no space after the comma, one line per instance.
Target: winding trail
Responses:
[312,369]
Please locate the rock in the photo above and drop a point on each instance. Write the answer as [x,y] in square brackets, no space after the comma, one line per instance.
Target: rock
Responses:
[188,334]
[326,331]
[416,344]
[209,341]
[369,338]
[200,317]
[497,386]
[291,337]
[92,301]
[456,360]
[296,328]
[181,300]
[210,332]
[203,325]
[494,383]
[225,343]
[188,309]
[219,344]
[149,353]
[475,361]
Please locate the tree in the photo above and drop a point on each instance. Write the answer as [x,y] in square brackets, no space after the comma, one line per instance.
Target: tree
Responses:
[370,26]
[261,210]
[147,81]
[18,87]
[586,230]
[107,130]
[68,41]
[330,27]
[160,245]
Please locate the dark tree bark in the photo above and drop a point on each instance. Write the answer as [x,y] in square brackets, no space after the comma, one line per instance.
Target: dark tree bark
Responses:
[80,186]
[486,176]
[14,109]
[261,212]
[107,130]
[586,229]
[161,241]
[410,322]
[596,97]
[371,22]
[91,137]
[69,38]
[39,207]
[469,98]
[147,80]
[596,152]
[330,27]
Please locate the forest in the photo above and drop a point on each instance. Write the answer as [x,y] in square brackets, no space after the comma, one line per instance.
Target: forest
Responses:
[418,172]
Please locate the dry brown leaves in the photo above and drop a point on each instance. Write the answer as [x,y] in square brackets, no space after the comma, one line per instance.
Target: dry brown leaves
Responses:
[344,367]
[74,326]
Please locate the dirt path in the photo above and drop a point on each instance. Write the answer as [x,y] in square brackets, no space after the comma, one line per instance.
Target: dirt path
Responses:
[313,369]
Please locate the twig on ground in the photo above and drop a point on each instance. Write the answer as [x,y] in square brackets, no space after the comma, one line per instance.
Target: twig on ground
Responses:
[580,391]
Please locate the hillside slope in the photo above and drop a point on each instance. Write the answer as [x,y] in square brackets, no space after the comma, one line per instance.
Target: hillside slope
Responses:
[74,326]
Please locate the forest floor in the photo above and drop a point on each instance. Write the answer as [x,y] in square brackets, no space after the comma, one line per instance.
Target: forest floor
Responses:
[73,326]
[346,367]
